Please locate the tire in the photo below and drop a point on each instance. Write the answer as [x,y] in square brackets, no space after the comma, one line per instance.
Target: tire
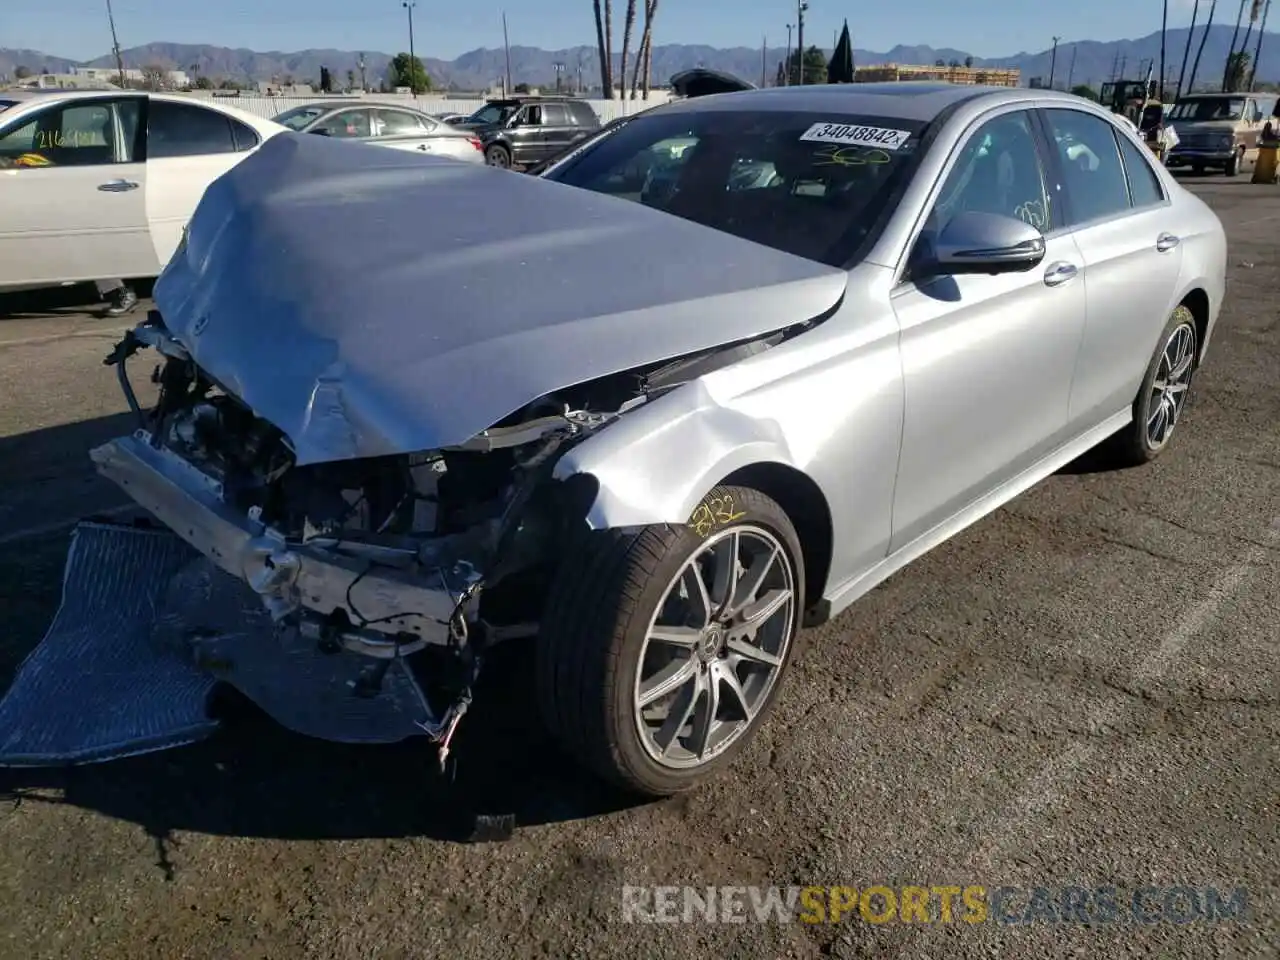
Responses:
[498,156]
[1198,169]
[1233,165]
[594,649]
[1134,445]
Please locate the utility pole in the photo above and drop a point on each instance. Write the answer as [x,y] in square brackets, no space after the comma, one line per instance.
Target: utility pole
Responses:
[764,62]
[363,83]
[1164,29]
[1186,53]
[801,7]
[786,63]
[506,49]
[558,66]
[115,45]
[1115,66]
[1071,70]
[1053,61]
[413,60]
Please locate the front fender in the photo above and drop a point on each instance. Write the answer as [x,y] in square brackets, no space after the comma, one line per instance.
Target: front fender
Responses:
[656,463]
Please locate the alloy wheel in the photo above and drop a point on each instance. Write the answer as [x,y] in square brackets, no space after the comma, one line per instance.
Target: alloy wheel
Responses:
[1169,388]
[715,647]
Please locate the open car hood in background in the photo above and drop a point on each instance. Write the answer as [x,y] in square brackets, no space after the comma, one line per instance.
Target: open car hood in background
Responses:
[701,82]
[373,302]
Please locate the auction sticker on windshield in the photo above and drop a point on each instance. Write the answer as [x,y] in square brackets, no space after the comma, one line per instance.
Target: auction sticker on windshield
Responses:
[857,135]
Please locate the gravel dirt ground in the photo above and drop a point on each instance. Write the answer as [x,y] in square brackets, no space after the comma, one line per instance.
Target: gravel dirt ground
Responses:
[1079,690]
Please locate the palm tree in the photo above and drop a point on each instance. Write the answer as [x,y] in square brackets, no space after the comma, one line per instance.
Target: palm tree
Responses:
[604,43]
[628,24]
[644,56]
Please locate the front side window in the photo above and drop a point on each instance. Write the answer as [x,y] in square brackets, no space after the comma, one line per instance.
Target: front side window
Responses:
[530,116]
[816,185]
[185,130]
[346,124]
[998,171]
[1091,169]
[76,134]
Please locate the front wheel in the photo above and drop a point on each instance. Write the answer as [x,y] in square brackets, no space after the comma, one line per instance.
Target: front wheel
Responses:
[1233,165]
[1163,394]
[662,650]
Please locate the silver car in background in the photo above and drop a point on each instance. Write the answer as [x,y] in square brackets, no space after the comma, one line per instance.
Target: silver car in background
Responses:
[658,415]
[398,127]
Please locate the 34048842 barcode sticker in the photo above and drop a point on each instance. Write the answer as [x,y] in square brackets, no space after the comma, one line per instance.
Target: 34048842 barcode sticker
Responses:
[856,135]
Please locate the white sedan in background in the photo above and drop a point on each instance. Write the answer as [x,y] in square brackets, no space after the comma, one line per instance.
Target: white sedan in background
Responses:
[100,184]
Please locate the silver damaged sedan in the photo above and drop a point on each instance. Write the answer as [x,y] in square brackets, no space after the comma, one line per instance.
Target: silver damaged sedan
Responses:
[695,387]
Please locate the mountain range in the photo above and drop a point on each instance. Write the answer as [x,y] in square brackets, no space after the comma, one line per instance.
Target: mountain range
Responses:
[1084,61]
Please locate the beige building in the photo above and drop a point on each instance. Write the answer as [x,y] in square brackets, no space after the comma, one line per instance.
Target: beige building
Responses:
[894,72]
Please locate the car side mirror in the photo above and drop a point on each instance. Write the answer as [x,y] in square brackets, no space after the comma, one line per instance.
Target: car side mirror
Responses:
[986,243]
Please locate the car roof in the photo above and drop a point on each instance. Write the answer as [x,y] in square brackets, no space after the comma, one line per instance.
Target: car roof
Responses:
[909,100]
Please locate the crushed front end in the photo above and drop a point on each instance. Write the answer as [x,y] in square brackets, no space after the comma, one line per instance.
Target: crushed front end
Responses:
[352,600]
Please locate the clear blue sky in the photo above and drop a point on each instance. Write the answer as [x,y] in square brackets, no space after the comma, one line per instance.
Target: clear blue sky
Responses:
[985,28]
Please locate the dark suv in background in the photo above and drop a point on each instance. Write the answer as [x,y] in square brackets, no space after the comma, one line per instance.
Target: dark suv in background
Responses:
[521,131]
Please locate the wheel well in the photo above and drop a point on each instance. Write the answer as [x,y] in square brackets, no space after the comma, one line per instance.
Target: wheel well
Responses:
[807,509]
[1197,301]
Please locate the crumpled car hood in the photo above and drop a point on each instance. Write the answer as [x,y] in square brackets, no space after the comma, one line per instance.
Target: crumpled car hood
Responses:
[373,302]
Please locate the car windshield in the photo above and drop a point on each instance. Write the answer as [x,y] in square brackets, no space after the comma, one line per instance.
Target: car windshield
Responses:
[299,117]
[816,185]
[494,113]
[1203,109]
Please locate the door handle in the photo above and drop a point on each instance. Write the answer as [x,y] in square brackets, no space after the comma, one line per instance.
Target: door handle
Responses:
[1166,242]
[1059,273]
[422,146]
[117,186]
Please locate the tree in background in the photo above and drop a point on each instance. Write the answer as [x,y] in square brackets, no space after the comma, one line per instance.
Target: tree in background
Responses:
[407,71]
[604,45]
[644,57]
[815,67]
[520,88]
[351,79]
[21,72]
[628,24]
[1238,70]
[1086,91]
[154,76]
[203,83]
[326,80]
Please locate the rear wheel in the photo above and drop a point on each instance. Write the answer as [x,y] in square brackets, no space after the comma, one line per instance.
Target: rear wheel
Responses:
[498,156]
[662,651]
[1163,394]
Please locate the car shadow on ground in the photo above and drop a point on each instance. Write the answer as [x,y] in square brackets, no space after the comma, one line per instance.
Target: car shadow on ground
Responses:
[256,779]
[253,777]
[49,302]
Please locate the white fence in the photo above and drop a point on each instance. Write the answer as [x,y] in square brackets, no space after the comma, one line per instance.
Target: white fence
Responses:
[270,107]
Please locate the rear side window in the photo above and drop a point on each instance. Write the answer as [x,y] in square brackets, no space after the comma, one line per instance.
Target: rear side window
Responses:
[1091,169]
[1144,185]
[554,115]
[400,122]
[184,130]
[583,115]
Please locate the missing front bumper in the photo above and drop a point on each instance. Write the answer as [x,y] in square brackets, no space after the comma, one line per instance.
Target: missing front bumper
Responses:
[146,630]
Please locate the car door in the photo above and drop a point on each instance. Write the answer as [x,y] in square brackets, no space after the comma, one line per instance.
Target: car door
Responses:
[188,147]
[1124,226]
[986,360]
[73,189]
[558,130]
[526,135]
